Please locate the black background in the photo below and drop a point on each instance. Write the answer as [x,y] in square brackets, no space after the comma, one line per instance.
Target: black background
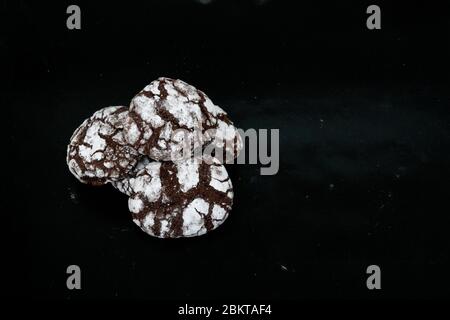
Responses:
[364,148]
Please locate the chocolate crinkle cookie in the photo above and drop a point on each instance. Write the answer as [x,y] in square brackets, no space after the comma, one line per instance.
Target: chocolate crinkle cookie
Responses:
[97,152]
[180,199]
[169,118]
[166,153]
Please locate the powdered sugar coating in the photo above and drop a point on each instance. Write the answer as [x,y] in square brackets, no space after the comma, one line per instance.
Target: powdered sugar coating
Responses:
[169,116]
[226,142]
[187,174]
[97,152]
[123,185]
[182,199]
[157,113]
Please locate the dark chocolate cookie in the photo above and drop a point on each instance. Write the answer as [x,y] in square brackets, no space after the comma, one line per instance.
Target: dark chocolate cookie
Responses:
[180,199]
[97,152]
[168,115]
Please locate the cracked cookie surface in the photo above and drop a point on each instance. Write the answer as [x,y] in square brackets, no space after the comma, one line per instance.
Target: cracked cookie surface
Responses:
[180,199]
[169,114]
[123,185]
[225,143]
[97,152]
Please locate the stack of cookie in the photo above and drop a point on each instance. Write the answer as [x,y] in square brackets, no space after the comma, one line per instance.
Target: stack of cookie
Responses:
[166,153]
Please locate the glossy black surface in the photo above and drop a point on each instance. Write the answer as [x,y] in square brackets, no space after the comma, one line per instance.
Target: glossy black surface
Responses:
[364,148]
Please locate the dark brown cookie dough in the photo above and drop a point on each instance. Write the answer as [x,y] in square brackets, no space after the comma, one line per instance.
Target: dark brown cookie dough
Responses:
[97,152]
[180,199]
[168,114]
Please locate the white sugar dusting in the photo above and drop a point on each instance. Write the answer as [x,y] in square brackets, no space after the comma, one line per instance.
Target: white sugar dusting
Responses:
[99,173]
[162,144]
[164,227]
[225,131]
[212,108]
[166,131]
[135,205]
[148,184]
[153,88]
[149,220]
[200,205]
[193,222]
[187,174]
[219,178]
[145,108]
[108,165]
[132,132]
[177,106]
[191,92]
[96,143]
[218,212]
